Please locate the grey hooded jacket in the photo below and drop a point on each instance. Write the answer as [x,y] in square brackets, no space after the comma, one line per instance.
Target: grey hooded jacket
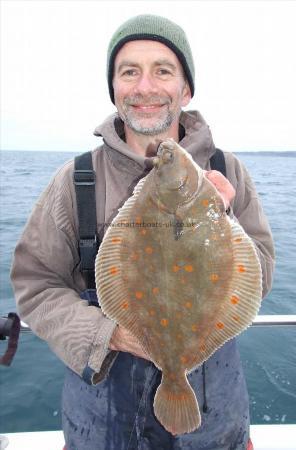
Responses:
[45,272]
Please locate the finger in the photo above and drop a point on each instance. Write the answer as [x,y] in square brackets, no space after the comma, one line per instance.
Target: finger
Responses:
[216,176]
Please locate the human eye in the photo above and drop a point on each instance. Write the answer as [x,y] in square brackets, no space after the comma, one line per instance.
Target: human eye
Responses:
[164,71]
[129,73]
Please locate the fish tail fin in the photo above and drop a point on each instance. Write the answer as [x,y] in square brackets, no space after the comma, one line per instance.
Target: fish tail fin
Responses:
[176,407]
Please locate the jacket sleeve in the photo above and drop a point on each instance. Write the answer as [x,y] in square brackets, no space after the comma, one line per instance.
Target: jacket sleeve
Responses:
[46,280]
[248,211]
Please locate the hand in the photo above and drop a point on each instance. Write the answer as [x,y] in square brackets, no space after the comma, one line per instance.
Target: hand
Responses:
[223,186]
[122,340]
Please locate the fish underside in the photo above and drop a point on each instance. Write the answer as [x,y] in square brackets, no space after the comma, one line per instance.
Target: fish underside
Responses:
[181,276]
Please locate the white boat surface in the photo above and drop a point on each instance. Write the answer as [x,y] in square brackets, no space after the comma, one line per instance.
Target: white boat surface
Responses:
[264,437]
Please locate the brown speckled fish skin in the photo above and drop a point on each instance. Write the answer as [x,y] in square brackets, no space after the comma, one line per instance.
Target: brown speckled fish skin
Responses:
[180,275]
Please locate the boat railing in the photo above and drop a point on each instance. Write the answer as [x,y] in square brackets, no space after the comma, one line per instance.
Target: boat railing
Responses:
[270,320]
[274,320]
[11,327]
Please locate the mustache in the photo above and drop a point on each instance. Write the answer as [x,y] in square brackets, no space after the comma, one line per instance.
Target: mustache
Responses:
[136,100]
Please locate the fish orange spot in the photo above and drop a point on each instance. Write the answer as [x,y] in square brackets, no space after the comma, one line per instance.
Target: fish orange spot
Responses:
[152,312]
[238,240]
[214,277]
[125,305]
[164,322]
[184,359]
[134,256]
[234,299]
[139,295]
[205,202]
[188,268]
[175,268]
[116,240]
[155,290]
[194,327]
[220,325]
[188,305]
[113,270]
[241,268]
[143,232]
[149,250]
[138,220]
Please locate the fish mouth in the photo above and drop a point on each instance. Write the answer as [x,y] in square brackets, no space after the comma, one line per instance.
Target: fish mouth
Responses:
[165,153]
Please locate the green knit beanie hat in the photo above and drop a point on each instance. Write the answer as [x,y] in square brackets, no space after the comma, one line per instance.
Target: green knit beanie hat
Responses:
[153,28]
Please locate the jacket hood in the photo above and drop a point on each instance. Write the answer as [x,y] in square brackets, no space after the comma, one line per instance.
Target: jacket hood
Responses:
[197,139]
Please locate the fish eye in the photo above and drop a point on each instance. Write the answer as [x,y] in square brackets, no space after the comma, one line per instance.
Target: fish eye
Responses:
[168,156]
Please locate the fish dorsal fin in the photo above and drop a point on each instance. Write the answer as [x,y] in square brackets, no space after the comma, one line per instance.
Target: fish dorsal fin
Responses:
[108,267]
[243,299]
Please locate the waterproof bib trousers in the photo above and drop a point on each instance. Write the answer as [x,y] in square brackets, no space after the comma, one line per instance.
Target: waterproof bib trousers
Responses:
[117,413]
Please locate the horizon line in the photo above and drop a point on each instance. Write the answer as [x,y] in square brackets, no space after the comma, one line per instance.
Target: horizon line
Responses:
[81,151]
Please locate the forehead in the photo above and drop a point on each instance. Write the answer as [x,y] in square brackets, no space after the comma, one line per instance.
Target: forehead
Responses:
[145,51]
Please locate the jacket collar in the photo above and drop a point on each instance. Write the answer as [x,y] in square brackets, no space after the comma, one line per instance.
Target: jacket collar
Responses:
[197,140]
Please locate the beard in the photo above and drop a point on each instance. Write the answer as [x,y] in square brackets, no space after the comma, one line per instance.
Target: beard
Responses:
[136,120]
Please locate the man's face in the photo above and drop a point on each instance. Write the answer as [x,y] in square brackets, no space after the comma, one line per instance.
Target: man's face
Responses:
[149,87]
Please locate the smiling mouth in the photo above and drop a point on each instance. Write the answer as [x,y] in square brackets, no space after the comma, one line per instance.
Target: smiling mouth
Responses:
[147,107]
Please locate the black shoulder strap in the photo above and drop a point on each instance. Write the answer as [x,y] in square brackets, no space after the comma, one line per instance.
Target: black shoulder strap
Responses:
[217,162]
[84,181]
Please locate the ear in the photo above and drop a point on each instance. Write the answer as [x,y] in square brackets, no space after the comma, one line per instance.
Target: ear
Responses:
[186,94]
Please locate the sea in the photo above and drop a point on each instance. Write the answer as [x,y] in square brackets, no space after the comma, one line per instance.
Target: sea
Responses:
[30,389]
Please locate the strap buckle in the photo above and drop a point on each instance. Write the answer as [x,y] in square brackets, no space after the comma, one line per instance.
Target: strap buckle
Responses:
[84,177]
[88,251]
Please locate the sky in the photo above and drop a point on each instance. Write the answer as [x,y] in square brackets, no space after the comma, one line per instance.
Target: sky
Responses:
[53,70]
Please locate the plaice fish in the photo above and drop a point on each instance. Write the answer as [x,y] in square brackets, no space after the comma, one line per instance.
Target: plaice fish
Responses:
[179,275]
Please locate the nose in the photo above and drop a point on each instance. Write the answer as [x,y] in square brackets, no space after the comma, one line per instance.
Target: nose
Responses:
[146,84]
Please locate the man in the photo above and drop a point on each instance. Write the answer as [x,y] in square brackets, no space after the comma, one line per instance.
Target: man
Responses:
[110,385]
